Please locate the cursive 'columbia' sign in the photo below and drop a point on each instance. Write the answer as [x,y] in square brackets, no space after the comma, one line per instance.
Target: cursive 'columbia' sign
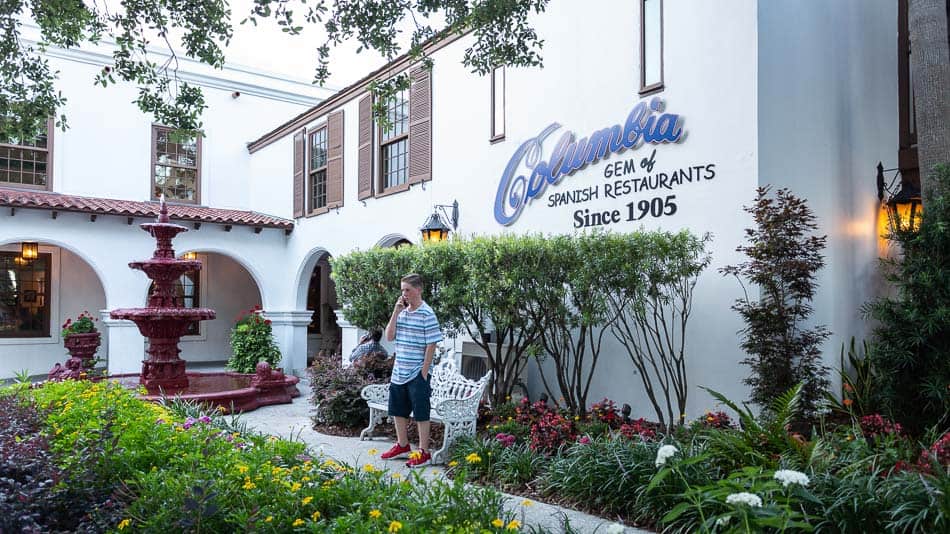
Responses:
[646,123]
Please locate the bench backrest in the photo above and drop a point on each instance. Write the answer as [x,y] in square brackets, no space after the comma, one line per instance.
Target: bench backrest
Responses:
[447,383]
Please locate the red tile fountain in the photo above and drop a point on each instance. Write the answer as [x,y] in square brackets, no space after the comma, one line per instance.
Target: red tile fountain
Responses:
[164,321]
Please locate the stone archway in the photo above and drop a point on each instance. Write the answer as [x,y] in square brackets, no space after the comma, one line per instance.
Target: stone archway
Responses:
[323,333]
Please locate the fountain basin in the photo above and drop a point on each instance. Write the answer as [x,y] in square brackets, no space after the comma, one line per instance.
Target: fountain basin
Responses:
[226,391]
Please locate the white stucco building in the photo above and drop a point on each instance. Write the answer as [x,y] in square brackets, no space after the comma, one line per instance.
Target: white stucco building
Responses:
[782,93]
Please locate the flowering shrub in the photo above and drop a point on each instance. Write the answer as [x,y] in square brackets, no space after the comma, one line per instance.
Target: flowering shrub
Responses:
[252,341]
[528,413]
[206,478]
[718,419]
[84,324]
[938,453]
[637,429]
[506,440]
[877,426]
[552,431]
[605,411]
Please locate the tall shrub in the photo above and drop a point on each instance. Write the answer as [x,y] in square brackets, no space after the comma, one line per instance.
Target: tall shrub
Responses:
[650,289]
[571,306]
[911,344]
[252,341]
[783,258]
[367,283]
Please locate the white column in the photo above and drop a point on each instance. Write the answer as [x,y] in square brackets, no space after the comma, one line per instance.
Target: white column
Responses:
[126,345]
[349,337]
[290,333]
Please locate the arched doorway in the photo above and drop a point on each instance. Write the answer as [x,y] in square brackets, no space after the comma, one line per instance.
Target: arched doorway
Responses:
[323,332]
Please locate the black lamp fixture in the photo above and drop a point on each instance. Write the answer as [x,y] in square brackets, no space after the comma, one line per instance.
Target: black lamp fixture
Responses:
[29,250]
[437,226]
[904,207]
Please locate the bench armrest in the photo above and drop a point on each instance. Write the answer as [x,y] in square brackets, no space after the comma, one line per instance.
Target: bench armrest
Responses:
[378,393]
[459,409]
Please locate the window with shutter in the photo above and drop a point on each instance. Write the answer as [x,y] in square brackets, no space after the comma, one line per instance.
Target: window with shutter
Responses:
[299,165]
[335,160]
[394,143]
[420,126]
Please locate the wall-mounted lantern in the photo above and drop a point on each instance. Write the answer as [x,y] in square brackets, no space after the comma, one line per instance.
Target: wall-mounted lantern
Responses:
[29,250]
[437,226]
[904,207]
[190,256]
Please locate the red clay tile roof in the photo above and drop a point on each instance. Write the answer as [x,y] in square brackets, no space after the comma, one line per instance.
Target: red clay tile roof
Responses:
[22,198]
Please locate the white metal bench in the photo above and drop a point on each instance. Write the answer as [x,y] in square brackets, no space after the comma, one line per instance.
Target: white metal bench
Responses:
[454,404]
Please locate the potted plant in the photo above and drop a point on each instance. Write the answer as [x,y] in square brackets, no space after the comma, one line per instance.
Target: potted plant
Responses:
[81,339]
[252,341]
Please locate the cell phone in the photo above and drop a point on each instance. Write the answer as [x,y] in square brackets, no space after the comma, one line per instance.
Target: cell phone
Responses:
[405,302]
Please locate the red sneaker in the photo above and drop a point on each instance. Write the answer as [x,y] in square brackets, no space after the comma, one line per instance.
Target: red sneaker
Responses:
[419,458]
[397,451]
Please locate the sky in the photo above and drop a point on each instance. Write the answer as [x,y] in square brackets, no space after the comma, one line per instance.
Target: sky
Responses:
[266,48]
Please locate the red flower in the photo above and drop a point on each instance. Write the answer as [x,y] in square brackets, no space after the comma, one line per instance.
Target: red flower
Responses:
[267,321]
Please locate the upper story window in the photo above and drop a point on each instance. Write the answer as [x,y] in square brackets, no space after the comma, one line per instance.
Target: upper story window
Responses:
[497,104]
[176,166]
[318,169]
[394,143]
[27,163]
[24,295]
[651,46]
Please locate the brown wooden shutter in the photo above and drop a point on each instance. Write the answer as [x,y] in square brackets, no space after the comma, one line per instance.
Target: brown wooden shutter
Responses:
[420,126]
[300,166]
[365,178]
[335,160]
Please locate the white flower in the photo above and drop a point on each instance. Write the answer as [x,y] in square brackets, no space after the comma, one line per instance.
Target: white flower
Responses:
[787,476]
[615,528]
[745,498]
[665,453]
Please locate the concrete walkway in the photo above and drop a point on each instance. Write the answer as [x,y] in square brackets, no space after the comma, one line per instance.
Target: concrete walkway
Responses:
[292,421]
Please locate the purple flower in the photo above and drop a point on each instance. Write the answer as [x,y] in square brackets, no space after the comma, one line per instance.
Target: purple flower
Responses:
[204,419]
[584,440]
[506,440]
[159,421]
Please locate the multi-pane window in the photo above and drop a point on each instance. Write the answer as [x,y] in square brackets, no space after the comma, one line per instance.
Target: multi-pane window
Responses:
[318,169]
[175,165]
[394,142]
[188,295]
[24,296]
[651,45]
[26,162]
[498,104]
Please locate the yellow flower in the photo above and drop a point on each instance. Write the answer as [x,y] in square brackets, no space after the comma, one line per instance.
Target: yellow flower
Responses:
[497,523]
[248,485]
[453,463]
[372,452]
[295,487]
[375,514]
[315,516]
[222,409]
[395,526]
[297,522]
[514,525]
[305,479]
[527,502]
[369,468]
[577,418]
[242,469]
[397,476]
[473,458]
[269,519]
[306,500]
[124,523]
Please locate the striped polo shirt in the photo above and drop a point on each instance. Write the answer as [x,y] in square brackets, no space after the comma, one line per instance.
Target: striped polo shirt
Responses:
[414,331]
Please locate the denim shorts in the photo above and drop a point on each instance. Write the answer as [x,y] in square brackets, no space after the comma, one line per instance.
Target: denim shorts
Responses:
[413,396]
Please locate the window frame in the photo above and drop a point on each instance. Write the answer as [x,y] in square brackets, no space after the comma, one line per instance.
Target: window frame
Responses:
[383,143]
[494,135]
[658,86]
[198,160]
[310,208]
[47,302]
[50,126]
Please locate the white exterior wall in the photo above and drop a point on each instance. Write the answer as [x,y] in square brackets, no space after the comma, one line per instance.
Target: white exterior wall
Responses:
[828,114]
[106,152]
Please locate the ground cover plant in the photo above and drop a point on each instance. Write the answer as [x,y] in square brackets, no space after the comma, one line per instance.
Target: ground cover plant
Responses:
[719,473]
[165,470]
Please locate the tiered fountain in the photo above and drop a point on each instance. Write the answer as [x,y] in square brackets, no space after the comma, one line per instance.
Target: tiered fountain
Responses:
[164,321]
